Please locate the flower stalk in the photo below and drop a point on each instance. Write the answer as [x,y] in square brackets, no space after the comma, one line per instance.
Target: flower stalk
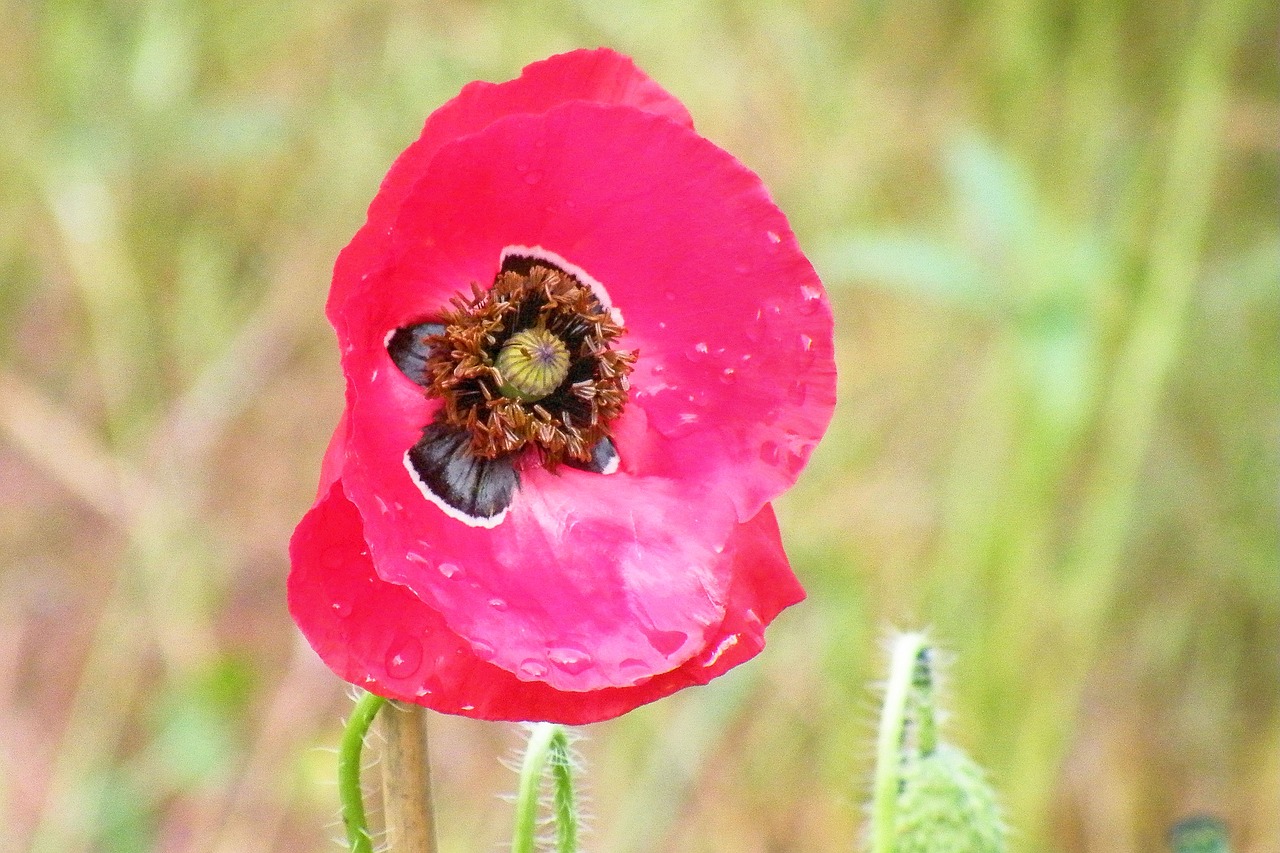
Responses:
[349,758]
[546,754]
[406,780]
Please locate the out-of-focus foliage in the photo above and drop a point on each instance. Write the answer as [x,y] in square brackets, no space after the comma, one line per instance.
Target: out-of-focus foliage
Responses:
[1050,234]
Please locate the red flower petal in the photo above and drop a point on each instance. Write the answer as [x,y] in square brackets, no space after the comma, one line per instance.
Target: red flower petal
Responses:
[336,596]
[599,76]
[736,371]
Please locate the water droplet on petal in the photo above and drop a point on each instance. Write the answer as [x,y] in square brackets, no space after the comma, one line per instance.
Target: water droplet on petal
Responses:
[532,668]
[697,352]
[721,647]
[632,663]
[483,650]
[572,660]
[449,570]
[342,608]
[773,236]
[667,642]
[497,604]
[404,657]
[810,299]
[770,453]
[467,707]
[670,296]
[422,691]
[415,557]
[728,376]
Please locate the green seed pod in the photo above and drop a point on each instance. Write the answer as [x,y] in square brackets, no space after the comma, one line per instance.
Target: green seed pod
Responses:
[946,806]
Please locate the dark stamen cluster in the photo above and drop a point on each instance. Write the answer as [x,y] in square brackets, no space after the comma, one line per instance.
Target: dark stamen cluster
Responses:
[565,424]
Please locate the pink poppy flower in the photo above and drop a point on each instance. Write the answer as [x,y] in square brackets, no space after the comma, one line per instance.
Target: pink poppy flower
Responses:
[583,352]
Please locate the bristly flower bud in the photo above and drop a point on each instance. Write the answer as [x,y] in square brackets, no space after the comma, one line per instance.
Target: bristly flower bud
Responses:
[946,806]
[929,797]
[1199,834]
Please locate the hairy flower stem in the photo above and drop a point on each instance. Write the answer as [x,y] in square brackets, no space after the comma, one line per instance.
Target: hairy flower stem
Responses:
[908,673]
[406,780]
[548,749]
[349,792]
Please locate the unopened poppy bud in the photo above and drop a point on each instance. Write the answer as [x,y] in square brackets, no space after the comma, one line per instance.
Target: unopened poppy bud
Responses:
[946,806]
[533,363]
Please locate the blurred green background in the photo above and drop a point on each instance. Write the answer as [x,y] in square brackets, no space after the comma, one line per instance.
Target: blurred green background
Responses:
[1051,237]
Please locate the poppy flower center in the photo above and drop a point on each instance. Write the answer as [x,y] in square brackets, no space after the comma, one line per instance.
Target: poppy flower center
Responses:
[528,363]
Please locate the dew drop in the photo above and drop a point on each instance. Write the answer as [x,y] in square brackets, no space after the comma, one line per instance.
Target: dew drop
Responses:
[422,691]
[483,650]
[810,299]
[685,423]
[658,369]
[404,657]
[770,453]
[572,660]
[533,668]
[773,236]
[498,604]
[449,570]
[415,557]
[521,168]
[342,608]
[722,647]
[467,707]
[698,352]
[728,376]
[670,296]
[632,663]
[667,642]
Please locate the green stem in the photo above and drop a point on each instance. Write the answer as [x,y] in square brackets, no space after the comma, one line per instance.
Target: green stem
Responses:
[548,744]
[907,651]
[349,792]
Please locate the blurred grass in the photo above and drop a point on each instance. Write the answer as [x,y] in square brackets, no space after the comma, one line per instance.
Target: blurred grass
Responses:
[1051,237]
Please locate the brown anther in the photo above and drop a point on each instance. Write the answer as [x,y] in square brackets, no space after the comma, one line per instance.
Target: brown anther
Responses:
[566,423]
